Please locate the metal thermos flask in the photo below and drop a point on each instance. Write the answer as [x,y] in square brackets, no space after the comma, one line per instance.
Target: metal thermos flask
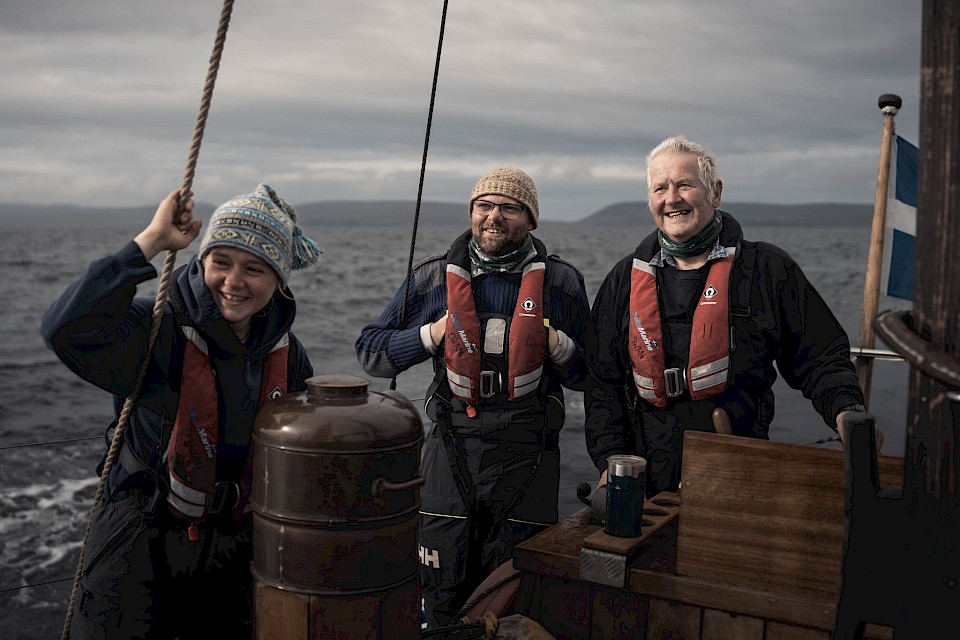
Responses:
[625,494]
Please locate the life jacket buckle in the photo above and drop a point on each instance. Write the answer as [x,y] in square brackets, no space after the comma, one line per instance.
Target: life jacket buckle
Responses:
[675,381]
[489,384]
[226,495]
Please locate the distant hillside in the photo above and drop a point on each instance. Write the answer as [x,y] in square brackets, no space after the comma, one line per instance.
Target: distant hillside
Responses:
[750,213]
[357,213]
[339,213]
[327,213]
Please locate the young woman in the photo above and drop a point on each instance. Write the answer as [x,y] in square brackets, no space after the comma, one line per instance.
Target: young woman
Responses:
[169,552]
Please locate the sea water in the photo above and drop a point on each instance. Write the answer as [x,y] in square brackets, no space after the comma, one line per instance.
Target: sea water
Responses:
[46,491]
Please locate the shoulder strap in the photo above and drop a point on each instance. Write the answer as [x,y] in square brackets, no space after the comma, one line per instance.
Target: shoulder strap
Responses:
[740,302]
[180,320]
[293,359]
[740,299]
[457,464]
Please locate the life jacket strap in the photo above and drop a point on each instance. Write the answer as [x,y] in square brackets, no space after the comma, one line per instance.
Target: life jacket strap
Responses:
[491,382]
[675,380]
[226,496]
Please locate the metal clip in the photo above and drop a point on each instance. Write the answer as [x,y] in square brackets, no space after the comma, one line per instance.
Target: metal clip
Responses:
[675,380]
[226,495]
[489,384]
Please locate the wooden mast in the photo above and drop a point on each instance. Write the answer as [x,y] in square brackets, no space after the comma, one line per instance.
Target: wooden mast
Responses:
[931,453]
[902,552]
[889,105]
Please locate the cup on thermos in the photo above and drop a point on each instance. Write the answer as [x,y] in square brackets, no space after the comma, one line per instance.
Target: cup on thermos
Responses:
[625,495]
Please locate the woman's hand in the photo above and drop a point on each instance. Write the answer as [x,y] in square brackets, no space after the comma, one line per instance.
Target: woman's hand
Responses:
[169,230]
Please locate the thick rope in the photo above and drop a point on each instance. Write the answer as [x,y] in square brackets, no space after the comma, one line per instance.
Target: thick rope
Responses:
[475,600]
[423,170]
[161,301]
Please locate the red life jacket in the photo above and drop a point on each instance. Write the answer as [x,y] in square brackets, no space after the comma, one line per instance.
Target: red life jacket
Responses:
[708,362]
[192,451]
[528,339]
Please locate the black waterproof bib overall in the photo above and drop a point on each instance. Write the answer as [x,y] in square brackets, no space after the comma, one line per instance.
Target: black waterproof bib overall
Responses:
[507,461]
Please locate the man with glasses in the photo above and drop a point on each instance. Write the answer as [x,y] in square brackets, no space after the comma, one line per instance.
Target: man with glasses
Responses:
[503,323]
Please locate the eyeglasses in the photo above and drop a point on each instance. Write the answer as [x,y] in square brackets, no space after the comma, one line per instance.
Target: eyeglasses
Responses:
[508,211]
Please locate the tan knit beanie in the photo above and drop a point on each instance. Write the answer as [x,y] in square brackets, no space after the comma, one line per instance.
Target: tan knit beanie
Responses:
[511,183]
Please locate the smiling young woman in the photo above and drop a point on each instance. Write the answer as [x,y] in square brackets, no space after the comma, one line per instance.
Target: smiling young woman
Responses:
[224,348]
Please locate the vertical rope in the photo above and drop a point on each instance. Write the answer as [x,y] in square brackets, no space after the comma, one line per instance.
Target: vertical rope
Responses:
[161,300]
[423,170]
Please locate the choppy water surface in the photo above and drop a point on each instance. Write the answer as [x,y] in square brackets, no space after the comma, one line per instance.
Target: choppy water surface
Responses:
[46,491]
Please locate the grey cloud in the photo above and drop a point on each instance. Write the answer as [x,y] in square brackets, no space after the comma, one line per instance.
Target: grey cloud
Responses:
[101,95]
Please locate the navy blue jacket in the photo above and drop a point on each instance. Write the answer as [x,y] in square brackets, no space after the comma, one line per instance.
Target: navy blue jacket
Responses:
[99,329]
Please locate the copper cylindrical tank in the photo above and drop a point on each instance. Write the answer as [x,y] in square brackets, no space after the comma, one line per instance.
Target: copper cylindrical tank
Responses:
[335,504]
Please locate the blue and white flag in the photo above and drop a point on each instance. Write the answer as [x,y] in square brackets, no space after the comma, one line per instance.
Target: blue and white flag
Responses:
[900,230]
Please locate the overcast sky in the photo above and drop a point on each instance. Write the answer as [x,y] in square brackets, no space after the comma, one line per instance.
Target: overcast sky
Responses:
[329,100]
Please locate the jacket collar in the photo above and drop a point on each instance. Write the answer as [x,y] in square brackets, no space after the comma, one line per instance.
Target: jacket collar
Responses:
[649,248]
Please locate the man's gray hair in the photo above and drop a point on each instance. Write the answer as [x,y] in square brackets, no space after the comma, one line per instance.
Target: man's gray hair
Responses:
[706,161]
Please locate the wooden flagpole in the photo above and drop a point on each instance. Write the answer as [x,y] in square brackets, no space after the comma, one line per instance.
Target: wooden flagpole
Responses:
[889,105]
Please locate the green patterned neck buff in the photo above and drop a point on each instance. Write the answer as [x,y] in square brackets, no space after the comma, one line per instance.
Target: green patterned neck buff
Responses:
[695,245]
[500,264]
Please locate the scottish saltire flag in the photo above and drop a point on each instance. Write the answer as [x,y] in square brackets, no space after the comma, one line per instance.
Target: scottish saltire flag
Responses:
[900,230]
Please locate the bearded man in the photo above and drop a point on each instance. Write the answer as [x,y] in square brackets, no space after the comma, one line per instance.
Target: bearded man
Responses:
[503,323]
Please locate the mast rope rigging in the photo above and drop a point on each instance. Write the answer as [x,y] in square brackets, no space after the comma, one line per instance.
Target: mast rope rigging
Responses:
[423,170]
[161,300]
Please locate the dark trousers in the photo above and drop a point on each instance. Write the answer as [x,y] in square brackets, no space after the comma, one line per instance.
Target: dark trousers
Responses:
[143,578]
[461,545]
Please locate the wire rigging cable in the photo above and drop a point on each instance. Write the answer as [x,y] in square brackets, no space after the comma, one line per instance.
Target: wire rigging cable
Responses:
[423,170]
[165,277]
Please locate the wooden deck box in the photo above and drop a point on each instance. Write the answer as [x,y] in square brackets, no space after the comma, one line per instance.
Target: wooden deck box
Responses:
[750,548]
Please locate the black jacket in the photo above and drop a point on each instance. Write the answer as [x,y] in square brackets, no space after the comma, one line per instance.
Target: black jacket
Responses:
[777,318]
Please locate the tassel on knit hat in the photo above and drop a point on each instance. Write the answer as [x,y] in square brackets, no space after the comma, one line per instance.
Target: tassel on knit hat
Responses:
[264,224]
[511,183]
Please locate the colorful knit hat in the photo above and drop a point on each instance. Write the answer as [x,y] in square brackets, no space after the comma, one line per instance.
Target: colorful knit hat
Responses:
[511,183]
[265,225]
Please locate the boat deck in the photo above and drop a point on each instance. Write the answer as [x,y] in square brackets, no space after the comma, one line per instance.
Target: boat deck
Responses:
[751,550]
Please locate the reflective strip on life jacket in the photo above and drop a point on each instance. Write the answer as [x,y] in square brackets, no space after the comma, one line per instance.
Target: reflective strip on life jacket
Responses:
[192,504]
[192,451]
[461,386]
[644,386]
[708,375]
[709,356]
[527,383]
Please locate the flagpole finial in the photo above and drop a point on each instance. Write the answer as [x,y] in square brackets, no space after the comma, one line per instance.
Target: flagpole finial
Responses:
[889,103]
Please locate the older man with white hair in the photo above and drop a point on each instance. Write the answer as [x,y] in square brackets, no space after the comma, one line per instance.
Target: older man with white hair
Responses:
[699,318]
